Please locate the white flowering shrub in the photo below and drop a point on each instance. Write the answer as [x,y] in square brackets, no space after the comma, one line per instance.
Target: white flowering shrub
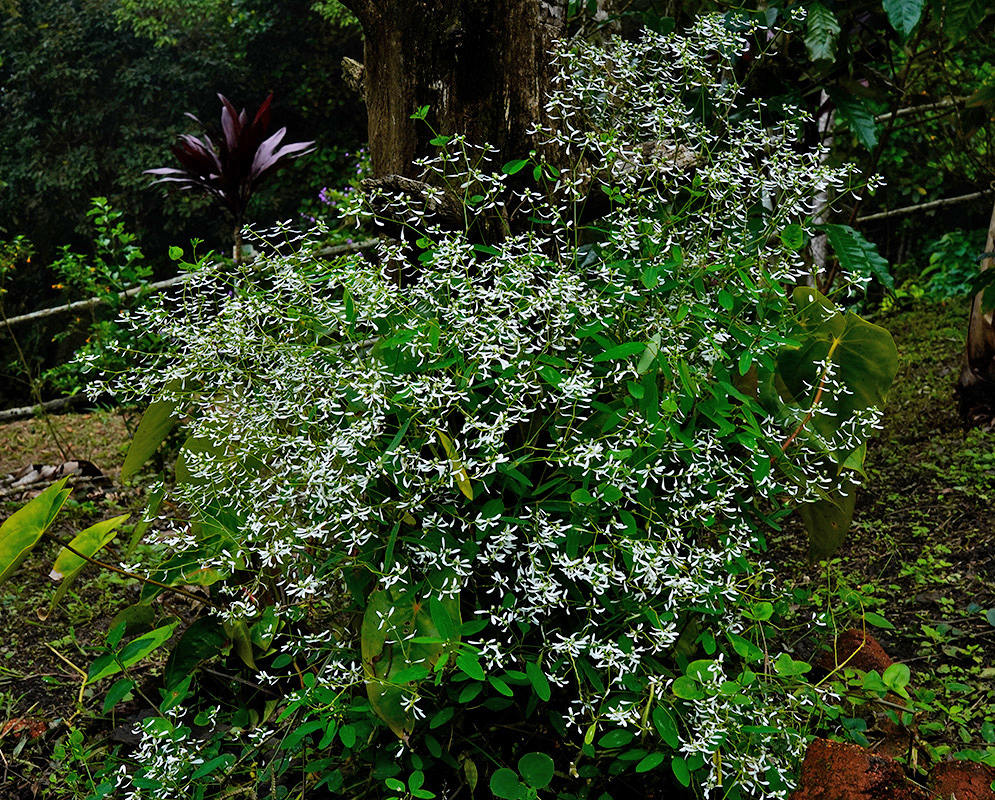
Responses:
[486,507]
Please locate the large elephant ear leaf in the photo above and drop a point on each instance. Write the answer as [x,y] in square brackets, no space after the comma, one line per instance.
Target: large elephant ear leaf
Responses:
[403,639]
[23,529]
[827,520]
[841,366]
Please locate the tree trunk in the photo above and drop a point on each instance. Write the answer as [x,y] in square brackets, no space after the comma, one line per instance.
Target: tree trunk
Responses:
[481,66]
[976,387]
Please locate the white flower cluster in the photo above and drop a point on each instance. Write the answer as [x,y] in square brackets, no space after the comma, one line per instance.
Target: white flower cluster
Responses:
[614,491]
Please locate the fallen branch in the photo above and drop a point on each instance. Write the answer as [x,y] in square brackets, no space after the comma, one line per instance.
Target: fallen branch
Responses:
[48,407]
[949,201]
[88,303]
[945,103]
[96,301]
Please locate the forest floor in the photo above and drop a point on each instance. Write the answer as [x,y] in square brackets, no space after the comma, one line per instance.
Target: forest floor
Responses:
[921,554]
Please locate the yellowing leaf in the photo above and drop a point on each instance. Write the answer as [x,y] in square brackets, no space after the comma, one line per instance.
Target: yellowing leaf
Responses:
[459,471]
[24,528]
[68,565]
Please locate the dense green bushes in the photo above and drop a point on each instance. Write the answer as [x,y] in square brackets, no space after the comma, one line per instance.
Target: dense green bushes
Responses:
[496,507]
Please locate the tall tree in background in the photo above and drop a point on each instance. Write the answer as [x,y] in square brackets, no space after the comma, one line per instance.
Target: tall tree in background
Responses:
[482,68]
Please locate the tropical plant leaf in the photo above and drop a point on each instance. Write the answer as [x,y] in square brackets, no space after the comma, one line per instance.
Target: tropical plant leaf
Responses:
[827,521]
[231,166]
[396,654]
[863,356]
[961,17]
[187,567]
[241,639]
[157,422]
[203,640]
[822,31]
[857,255]
[68,565]
[857,116]
[23,529]
[903,14]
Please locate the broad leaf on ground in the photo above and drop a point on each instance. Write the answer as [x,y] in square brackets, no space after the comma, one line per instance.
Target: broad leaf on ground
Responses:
[24,528]
[68,565]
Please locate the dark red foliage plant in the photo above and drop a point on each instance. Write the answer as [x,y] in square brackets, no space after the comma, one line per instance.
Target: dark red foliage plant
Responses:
[232,166]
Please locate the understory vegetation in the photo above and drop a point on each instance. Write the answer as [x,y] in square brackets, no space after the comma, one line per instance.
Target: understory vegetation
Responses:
[522,500]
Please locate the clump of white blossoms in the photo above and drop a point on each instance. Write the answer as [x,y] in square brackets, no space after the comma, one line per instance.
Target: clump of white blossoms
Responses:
[564,428]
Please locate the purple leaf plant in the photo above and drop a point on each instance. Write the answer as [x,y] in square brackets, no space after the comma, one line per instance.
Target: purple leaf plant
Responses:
[230,168]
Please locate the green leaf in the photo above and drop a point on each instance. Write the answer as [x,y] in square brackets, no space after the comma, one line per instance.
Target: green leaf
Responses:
[119,691]
[175,253]
[238,632]
[442,619]
[857,116]
[203,640]
[540,684]
[787,667]
[23,529]
[471,773]
[505,784]
[196,445]
[536,769]
[681,771]
[130,654]
[470,665]
[687,688]
[390,667]
[263,630]
[863,355]
[68,565]
[821,33]
[649,354]
[157,422]
[744,648]
[621,351]
[513,167]
[652,761]
[793,237]
[877,620]
[896,677]
[582,497]
[827,521]
[903,15]
[666,727]
[857,255]
[213,765]
[615,739]
[963,16]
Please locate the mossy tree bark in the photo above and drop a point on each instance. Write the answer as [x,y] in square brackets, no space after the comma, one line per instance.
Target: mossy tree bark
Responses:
[482,67]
